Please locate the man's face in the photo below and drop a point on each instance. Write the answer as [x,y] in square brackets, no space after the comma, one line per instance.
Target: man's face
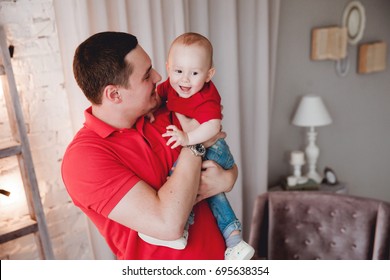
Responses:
[140,97]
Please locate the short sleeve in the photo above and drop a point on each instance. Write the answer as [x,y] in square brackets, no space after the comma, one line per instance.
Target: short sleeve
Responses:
[94,179]
[208,111]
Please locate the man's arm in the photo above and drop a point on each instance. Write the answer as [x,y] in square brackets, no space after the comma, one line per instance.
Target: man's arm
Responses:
[162,214]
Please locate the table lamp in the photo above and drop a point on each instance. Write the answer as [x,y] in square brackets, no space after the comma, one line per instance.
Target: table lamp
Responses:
[311,112]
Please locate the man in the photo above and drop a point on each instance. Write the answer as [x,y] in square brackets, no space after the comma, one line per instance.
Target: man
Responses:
[116,167]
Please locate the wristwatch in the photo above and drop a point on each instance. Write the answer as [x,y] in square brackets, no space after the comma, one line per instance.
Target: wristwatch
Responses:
[198,149]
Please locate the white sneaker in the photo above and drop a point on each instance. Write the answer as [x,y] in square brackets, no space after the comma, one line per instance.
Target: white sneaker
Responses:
[178,244]
[242,251]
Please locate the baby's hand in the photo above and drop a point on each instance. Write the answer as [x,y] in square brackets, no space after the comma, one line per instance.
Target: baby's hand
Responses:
[178,137]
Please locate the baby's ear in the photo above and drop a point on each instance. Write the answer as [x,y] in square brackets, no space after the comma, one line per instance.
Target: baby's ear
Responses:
[167,67]
[210,74]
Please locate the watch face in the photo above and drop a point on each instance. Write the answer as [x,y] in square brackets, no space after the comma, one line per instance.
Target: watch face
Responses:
[200,149]
[197,149]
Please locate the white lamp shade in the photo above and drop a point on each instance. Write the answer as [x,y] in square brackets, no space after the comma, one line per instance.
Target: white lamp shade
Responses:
[311,112]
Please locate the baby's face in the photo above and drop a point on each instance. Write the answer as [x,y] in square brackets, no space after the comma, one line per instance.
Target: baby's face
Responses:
[188,69]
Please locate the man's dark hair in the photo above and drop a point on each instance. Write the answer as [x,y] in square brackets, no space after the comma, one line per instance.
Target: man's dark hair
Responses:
[100,61]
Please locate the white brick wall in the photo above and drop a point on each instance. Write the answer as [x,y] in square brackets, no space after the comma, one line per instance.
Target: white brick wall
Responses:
[30,27]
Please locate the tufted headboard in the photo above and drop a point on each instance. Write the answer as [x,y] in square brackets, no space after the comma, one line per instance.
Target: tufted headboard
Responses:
[315,225]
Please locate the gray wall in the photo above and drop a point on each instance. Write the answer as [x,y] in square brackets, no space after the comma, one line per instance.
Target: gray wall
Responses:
[357,144]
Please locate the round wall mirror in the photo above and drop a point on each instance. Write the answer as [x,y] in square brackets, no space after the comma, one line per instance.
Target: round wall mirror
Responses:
[354,19]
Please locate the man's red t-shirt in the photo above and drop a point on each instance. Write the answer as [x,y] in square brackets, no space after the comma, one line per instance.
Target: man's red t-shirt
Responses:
[102,164]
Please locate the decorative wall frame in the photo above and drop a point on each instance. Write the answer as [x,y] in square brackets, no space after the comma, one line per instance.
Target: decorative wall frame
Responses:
[372,57]
[329,43]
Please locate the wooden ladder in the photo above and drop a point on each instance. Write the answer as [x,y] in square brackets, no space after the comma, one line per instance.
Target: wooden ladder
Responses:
[21,149]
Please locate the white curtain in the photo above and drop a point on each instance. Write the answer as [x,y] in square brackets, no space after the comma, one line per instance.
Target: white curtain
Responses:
[243,33]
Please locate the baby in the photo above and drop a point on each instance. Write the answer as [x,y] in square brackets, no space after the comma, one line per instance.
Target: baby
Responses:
[190,92]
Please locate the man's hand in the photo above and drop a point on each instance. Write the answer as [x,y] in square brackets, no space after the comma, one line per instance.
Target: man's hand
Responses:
[210,142]
[214,179]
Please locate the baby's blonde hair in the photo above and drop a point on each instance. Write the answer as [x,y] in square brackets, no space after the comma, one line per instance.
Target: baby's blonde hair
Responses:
[192,38]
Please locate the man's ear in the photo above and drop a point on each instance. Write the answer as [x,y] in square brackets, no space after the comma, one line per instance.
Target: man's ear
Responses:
[111,94]
[210,74]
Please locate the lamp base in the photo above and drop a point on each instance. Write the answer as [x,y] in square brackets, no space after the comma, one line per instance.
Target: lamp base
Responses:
[292,181]
[314,176]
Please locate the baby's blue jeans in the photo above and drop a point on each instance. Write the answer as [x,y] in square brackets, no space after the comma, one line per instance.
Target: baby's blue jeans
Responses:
[219,205]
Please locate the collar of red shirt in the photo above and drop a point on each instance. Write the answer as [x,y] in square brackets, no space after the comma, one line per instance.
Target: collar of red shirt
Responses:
[103,129]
